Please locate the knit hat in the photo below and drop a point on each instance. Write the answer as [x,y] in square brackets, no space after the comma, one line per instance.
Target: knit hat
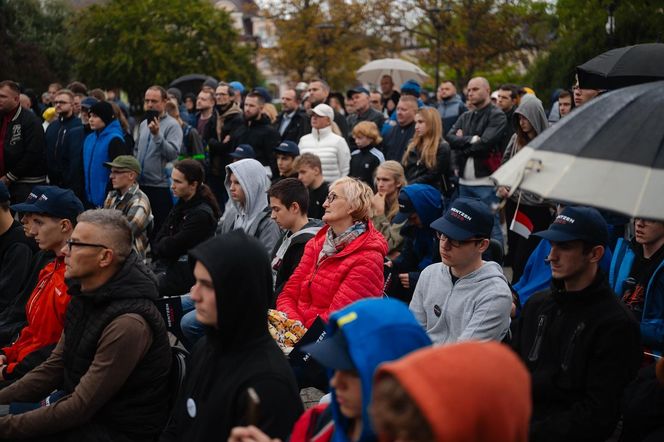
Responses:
[481,394]
[176,93]
[103,110]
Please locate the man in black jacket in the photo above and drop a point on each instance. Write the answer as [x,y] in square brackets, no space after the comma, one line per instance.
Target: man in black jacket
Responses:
[111,365]
[319,92]
[292,123]
[475,140]
[580,343]
[399,136]
[22,154]
[257,132]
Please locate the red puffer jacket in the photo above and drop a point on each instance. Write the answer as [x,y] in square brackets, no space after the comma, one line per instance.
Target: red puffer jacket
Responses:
[354,273]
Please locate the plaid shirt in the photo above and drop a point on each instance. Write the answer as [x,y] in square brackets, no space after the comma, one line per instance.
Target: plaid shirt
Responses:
[135,206]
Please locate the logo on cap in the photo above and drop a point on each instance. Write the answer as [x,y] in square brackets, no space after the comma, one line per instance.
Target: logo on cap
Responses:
[562,219]
[42,198]
[460,215]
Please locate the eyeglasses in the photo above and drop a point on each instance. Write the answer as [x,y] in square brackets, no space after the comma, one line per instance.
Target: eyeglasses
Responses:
[62,102]
[455,242]
[71,244]
[332,196]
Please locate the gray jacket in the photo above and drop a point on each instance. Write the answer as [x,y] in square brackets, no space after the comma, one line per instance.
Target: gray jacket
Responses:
[154,152]
[476,308]
[254,217]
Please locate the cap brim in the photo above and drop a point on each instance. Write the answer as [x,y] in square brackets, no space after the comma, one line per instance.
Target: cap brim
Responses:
[556,236]
[400,217]
[235,155]
[450,230]
[25,208]
[331,353]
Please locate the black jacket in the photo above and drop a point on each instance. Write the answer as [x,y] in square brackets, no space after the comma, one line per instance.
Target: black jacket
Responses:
[489,124]
[397,140]
[363,163]
[138,410]
[24,149]
[236,355]
[581,348]
[64,151]
[15,261]
[417,172]
[298,127]
[260,135]
[228,120]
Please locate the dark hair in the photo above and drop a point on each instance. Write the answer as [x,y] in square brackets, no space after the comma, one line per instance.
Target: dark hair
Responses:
[340,97]
[289,191]
[98,94]
[120,116]
[193,171]
[11,85]
[162,91]
[231,89]
[78,88]
[259,97]
[511,88]
[566,93]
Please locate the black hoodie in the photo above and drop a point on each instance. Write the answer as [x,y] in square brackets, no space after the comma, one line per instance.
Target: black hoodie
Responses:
[238,354]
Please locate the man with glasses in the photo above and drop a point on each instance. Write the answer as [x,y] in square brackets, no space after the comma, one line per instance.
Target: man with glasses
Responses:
[54,215]
[64,145]
[158,143]
[110,367]
[128,198]
[463,297]
[22,158]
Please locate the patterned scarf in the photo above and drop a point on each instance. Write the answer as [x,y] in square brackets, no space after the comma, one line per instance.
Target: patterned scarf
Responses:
[334,244]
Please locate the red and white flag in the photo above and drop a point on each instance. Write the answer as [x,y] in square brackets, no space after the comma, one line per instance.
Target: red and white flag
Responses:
[521,224]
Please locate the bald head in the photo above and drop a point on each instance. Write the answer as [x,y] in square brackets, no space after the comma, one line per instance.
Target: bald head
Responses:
[479,92]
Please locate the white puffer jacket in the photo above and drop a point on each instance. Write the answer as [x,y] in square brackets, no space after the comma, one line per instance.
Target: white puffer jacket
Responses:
[332,150]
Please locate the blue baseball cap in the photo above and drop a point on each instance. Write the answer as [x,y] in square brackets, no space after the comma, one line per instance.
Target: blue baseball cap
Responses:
[260,90]
[53,201]
[237,86]
[357,90]
[466,218]
[32,197]
[243,151]
[288,147]
[87,102]
[577,223]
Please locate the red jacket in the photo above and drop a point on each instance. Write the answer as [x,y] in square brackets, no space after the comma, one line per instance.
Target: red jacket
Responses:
[315,425]
[45,313]
[354,273]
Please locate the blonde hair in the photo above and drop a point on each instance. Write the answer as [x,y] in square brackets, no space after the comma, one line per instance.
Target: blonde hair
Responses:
[367,129]
[427,144]
[173,111]
[358,194]
[271,112]
[397,174]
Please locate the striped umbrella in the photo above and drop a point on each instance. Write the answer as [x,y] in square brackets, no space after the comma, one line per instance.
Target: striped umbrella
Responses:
[607,154]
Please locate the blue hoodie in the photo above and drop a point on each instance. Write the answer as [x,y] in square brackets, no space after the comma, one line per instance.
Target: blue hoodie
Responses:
[95,154]
[377,331]
[419,243]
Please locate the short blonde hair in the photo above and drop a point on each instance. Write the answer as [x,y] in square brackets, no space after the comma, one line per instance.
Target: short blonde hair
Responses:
[358,194]
[367,129]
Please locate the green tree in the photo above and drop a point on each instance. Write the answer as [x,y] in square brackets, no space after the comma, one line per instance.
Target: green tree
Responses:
[133,44]
[329,39]
[33,42]
[581,35]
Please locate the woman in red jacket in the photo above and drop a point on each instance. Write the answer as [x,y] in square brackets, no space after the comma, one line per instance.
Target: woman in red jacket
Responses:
[342,263]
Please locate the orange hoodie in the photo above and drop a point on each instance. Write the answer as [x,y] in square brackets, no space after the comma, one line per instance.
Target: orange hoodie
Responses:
[468,392]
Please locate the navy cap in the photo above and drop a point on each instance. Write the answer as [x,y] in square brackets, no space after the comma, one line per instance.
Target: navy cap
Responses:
[4,193]
[331,352]
[466,218]
[288,147]
[357,90]
[577,223]
[243,151]
[406,208]
[53,201]
[260,90]
[88,102]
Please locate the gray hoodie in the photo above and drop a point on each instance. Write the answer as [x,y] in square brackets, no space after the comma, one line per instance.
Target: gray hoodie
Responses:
[254,216]
[154,152]
[477,307]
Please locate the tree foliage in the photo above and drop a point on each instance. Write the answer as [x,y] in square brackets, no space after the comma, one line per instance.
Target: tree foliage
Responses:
[581,35]
[329,39]
[33,42]
[136,43]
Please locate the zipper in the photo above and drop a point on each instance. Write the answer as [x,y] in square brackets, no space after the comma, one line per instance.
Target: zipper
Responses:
[537,344]
[572,343]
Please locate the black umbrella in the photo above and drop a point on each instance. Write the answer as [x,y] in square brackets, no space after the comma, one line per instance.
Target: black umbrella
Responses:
[608,153]
[623,67]
[191,83]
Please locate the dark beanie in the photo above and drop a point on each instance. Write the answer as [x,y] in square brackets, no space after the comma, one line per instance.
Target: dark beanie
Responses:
[103,110]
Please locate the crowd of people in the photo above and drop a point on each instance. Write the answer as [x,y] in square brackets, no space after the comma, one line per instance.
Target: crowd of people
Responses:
[353,242]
